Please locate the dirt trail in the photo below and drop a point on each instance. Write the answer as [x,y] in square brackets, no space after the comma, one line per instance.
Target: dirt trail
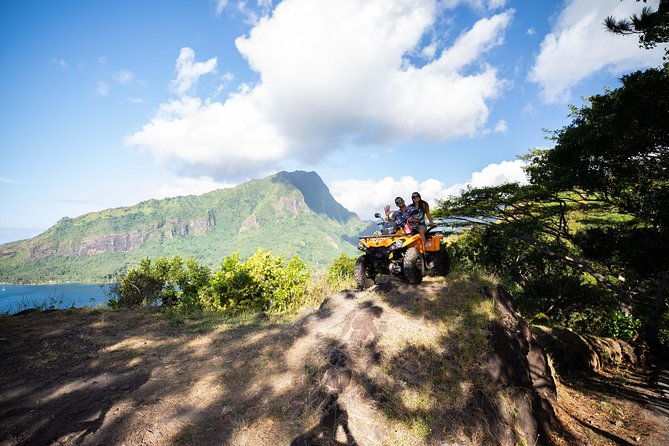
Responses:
[331,377]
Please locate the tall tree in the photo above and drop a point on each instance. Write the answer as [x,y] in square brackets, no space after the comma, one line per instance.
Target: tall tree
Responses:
[597,202]
[651,26]
[616,150]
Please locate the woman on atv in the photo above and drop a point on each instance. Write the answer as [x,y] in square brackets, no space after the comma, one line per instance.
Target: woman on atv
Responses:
[420,209]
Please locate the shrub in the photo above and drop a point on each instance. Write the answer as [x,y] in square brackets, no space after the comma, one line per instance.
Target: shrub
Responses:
[141,285]
[261,283]
[341,269]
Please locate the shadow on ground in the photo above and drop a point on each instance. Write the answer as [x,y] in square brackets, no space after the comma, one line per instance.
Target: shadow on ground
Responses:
[403,364]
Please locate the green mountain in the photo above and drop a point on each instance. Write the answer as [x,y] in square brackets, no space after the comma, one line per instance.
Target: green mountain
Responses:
[289,213]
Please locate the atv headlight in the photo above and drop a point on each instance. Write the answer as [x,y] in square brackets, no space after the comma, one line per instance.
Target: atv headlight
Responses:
[398,244]
[361,247]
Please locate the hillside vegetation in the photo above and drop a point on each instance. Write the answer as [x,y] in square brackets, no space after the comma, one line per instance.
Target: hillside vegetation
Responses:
[288,213]
[586,243]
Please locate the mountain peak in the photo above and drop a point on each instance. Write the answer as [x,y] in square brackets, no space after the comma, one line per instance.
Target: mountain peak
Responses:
[316,194]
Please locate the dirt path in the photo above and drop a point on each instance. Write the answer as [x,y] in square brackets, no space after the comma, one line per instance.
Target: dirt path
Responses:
[102,377]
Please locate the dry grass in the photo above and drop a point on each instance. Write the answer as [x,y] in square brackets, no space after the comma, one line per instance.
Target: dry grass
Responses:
[114,377]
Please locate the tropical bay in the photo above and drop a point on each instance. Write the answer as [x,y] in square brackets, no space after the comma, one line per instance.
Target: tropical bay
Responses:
[16,298]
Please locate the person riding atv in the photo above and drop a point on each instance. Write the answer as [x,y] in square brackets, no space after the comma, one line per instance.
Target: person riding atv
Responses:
[398,249]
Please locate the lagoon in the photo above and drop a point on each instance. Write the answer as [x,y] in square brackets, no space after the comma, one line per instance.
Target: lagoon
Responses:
[15,298]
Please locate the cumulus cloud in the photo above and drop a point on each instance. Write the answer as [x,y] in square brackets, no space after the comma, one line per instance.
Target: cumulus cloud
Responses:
[189,186]
[220,6]
[102,88]
[124,77]
[479,5]
[365,197]
[59,62]
[189,71]
[331,74]
[580,46]
[501,126]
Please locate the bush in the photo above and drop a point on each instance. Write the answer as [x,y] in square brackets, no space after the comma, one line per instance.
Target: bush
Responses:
[341,269]
[141,285]
[621,326]
[262,283]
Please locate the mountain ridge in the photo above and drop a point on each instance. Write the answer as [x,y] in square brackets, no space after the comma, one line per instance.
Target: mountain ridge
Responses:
[289,213]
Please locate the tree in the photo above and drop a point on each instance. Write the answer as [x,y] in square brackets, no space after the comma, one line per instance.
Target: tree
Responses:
[651,26]
[597,202]
[616,151]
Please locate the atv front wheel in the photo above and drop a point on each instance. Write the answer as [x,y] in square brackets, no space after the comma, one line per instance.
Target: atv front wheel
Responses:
[413,266]
[360,274]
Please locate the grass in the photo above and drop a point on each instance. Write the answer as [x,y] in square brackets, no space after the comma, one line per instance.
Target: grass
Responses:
[432,362]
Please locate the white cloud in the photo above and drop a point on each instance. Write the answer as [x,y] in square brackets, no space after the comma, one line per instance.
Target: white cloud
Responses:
[220,6]
[124,77]
[479,5]
[501,126]
[102,88]
[529,109]
[365,197]
[59,62]
[497,174]
[580,46]
[331,74]
[530,31]
[496,4]
[187,132]
[189,71]
[189,186]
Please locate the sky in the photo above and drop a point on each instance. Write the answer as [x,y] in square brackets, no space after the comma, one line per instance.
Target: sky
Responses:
[106,104]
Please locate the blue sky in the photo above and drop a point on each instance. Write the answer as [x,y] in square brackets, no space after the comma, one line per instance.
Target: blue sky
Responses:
[106,104]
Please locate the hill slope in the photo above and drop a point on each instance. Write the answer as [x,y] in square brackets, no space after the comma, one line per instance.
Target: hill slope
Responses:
[398,365]
[444,362]
[289,213]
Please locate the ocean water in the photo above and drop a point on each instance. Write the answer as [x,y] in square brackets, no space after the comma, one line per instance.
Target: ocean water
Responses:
[15,298]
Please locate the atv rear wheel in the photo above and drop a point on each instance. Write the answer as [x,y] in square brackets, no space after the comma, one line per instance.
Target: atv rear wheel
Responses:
[413,266]
[360,274]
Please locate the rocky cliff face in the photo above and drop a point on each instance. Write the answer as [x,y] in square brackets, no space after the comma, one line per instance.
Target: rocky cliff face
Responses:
[89,246]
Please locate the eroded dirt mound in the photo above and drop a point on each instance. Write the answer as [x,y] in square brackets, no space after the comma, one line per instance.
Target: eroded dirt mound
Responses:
[445,362]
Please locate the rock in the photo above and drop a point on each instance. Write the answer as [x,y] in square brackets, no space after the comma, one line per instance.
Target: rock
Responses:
[572,352]
[519,365]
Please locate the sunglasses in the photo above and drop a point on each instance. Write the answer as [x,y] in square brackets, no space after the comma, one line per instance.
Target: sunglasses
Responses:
[415,196]
[399,202]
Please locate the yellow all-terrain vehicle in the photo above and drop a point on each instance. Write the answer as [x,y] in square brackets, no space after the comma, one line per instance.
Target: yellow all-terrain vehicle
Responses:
[400,252]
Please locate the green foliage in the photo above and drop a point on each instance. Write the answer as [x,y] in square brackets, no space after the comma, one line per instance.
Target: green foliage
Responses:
[622,326]
[590,230]
[262,283]
[231,289]
[141,286]
[342,268]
